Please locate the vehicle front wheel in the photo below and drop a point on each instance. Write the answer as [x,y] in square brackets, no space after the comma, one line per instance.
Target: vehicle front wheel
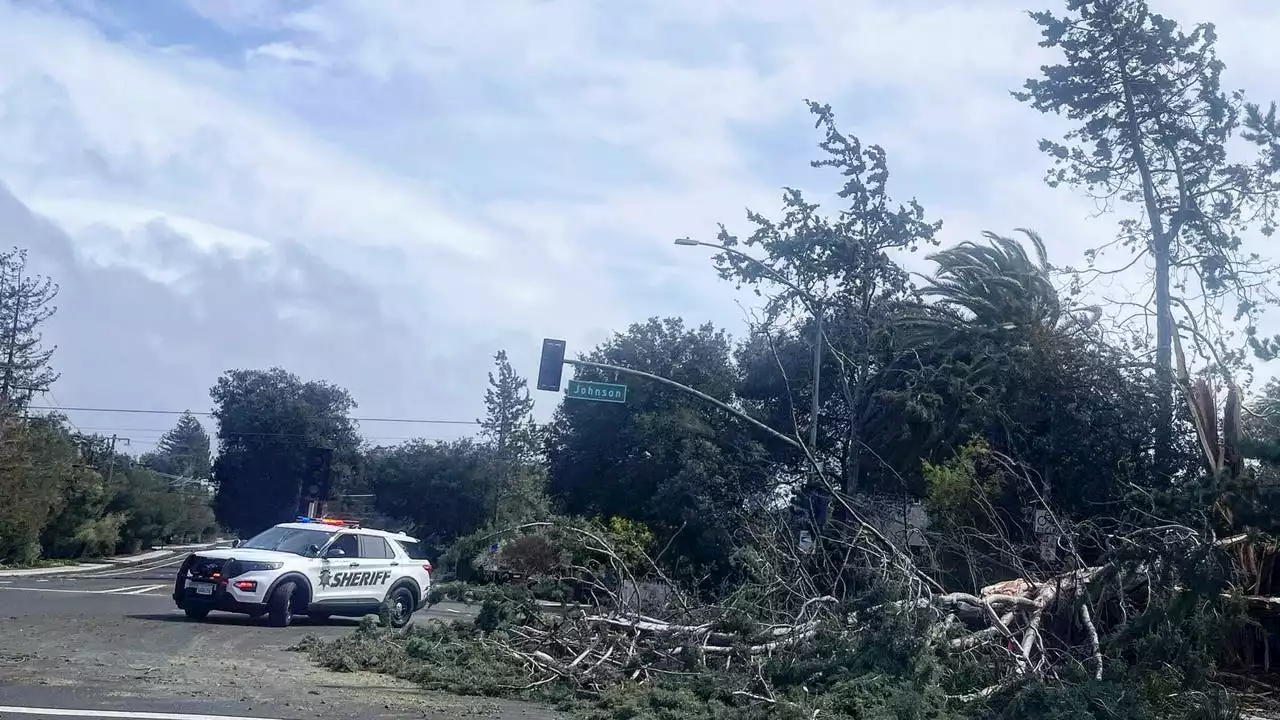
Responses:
[397,608]
[196,613]
[280,605]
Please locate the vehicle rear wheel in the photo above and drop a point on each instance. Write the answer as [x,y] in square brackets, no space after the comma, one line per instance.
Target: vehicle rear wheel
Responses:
[196,613]
[280,605]
[397,608]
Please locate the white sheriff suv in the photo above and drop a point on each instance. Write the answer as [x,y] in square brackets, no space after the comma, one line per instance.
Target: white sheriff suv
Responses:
[315,566]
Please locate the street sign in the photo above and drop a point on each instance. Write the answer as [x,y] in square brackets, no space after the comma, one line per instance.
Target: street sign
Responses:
[601,392]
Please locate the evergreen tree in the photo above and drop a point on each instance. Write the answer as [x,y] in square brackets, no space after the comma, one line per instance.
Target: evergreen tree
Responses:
[508,424]
[183,450]
[25,305]
[1153,129]
[514,439]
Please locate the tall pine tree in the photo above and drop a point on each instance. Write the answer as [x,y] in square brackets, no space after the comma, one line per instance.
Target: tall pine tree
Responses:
[183,450]
[1153,129]
[26,303]
[514,438]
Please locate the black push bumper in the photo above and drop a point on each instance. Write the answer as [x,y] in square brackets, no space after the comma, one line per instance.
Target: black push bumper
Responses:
[209,571]
[219,600]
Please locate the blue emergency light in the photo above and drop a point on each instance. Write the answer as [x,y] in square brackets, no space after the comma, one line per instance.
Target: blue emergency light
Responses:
[328,521]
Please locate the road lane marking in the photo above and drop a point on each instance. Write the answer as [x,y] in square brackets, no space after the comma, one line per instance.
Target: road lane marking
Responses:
[144,590]
[129,714]
[72,592]
[139,571]
[116,571]
[130,590]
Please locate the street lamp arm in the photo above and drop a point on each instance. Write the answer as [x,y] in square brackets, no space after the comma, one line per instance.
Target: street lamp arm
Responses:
[696,393]
[815,308]
[772,273]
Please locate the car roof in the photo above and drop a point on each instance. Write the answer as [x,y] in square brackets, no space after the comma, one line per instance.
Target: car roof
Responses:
[323,527]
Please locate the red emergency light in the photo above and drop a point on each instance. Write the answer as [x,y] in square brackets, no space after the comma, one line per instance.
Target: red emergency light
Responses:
[329,521]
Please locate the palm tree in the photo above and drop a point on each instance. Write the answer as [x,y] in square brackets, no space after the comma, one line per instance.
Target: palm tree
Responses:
[998,291]
[992,300]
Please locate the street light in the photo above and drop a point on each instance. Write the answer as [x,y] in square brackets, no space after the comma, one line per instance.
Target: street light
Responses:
[810,302]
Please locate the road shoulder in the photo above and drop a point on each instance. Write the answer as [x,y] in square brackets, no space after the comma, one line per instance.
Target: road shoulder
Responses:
[137,653]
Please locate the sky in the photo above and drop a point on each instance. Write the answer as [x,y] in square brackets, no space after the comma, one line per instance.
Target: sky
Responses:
[384,193]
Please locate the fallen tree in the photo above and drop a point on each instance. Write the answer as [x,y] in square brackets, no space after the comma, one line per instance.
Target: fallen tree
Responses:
[1131,619]
[779,647]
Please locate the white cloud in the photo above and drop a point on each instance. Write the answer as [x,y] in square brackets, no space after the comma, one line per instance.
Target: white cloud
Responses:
[507,170]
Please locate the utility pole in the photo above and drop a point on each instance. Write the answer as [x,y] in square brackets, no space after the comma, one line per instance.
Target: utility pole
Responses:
[111,461]
[817,376]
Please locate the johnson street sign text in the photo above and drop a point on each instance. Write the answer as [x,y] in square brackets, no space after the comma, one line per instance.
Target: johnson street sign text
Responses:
[600,392]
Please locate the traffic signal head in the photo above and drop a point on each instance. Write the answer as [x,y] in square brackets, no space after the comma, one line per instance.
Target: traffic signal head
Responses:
[551,367]
[315,483]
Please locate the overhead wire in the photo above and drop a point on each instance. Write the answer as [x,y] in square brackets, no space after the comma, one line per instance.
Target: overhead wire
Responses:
[281,437]
[421,421]
[158,432]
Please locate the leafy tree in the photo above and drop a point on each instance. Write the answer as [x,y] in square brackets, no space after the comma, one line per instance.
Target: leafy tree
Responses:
[152,509]
[139,509]
[667,459]
[74,529]
[25,305]
[1154,128]
[514,439]
[39,475]
[184,450]
[443,489]
[837,267]
[267,419]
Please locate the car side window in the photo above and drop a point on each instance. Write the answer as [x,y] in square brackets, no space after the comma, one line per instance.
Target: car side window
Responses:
[413,549]
[374,548]
[347,543]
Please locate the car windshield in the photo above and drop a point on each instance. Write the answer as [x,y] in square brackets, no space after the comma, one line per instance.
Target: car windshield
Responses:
[291,540]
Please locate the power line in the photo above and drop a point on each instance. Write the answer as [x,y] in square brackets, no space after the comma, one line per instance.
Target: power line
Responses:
[419,421]
[159,432]
[54,398]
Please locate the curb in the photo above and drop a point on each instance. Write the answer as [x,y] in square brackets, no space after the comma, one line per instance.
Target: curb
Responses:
[142,557]
[53,570]
[105,563]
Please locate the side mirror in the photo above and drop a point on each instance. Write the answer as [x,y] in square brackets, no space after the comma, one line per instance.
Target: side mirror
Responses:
[235,543]
[335,553]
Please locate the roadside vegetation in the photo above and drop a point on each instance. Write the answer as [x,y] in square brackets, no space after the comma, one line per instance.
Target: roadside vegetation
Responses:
[66,494]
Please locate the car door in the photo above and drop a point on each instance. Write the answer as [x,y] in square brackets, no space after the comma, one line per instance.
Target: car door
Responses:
[377,568]
[338,560]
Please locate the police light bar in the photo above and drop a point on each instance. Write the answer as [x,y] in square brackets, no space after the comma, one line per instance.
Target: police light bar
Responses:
[328,521]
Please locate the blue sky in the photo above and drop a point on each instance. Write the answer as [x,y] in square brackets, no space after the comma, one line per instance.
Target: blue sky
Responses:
[442,180]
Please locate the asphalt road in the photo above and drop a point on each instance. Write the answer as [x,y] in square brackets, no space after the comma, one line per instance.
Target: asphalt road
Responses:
[110,643]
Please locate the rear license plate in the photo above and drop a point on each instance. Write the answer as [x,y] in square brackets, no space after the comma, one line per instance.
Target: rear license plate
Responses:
[202,588]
